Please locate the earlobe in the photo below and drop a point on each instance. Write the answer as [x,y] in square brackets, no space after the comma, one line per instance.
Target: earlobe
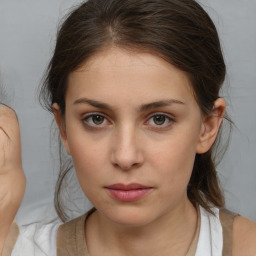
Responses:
[210,126]
[60,122]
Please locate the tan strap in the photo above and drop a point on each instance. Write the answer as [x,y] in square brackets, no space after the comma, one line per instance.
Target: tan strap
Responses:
[69,240]
[71,237]
[227,219]
[11,239]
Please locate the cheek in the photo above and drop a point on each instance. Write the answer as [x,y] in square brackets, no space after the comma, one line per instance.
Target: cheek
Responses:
[175,167]
[89,159]
[174,160]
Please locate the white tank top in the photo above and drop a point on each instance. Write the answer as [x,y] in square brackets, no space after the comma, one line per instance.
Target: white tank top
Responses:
[210,242]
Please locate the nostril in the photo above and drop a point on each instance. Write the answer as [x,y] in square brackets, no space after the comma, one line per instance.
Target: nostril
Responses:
[127,163]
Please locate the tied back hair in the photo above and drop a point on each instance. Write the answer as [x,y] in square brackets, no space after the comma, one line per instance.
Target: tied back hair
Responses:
[179,31]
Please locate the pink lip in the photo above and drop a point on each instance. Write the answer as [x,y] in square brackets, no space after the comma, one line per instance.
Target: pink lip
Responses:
[129,192]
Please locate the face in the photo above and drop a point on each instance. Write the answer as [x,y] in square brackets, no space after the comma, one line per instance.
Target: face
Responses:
[133,127]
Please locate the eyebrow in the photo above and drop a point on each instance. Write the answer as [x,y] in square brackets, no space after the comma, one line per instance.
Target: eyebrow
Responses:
[161,103]
[144,107]
[93,103]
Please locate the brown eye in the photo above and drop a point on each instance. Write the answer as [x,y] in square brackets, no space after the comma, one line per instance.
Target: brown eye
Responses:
[159,119]
[98,120]
[95,120]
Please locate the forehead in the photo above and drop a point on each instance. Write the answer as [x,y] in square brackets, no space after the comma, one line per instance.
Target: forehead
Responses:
[115,74]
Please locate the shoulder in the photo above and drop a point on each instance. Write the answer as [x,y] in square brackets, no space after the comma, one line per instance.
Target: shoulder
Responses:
[244,236]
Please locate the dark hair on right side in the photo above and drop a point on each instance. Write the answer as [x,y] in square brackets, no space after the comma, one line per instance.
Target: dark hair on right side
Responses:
[179,31]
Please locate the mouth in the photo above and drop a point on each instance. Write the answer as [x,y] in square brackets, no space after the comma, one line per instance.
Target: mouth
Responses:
[128,193]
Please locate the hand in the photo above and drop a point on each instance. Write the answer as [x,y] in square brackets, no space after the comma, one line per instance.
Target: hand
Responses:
[12,179]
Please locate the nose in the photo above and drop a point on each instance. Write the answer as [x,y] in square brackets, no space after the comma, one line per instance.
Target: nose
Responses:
[126,151]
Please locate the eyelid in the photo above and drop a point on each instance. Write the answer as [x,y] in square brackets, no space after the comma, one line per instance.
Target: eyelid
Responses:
[93,114]
[161,113]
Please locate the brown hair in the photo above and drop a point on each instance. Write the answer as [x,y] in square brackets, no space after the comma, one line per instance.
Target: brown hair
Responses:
[179,31]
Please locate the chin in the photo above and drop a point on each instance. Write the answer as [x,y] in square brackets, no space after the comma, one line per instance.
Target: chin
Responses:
[130,216]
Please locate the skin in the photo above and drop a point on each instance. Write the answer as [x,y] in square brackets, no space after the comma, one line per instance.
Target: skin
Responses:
[244,237]
[128,146]
[12,179]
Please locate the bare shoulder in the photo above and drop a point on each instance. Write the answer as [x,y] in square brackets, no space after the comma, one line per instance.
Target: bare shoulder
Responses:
[244,237]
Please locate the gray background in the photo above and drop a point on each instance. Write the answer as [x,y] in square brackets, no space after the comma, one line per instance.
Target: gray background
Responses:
[27,36]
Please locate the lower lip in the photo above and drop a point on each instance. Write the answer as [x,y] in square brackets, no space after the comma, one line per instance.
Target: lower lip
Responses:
[129,195]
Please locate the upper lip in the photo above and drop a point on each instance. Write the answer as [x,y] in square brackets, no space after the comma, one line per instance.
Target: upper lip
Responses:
[131,186]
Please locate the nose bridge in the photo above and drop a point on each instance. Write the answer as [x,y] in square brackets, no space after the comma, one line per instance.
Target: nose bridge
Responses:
[126,153]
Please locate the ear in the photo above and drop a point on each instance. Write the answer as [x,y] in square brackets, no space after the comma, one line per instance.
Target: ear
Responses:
[210,126]
[60,122]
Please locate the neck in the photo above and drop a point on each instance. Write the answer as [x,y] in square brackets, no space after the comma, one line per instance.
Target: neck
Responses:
[170,234]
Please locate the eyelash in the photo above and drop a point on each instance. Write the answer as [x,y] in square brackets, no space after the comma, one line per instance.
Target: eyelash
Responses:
[89,116]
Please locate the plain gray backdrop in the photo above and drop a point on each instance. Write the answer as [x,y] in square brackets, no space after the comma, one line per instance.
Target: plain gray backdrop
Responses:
[27,37]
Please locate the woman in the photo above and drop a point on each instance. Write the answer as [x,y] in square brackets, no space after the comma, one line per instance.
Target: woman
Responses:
[134,88]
